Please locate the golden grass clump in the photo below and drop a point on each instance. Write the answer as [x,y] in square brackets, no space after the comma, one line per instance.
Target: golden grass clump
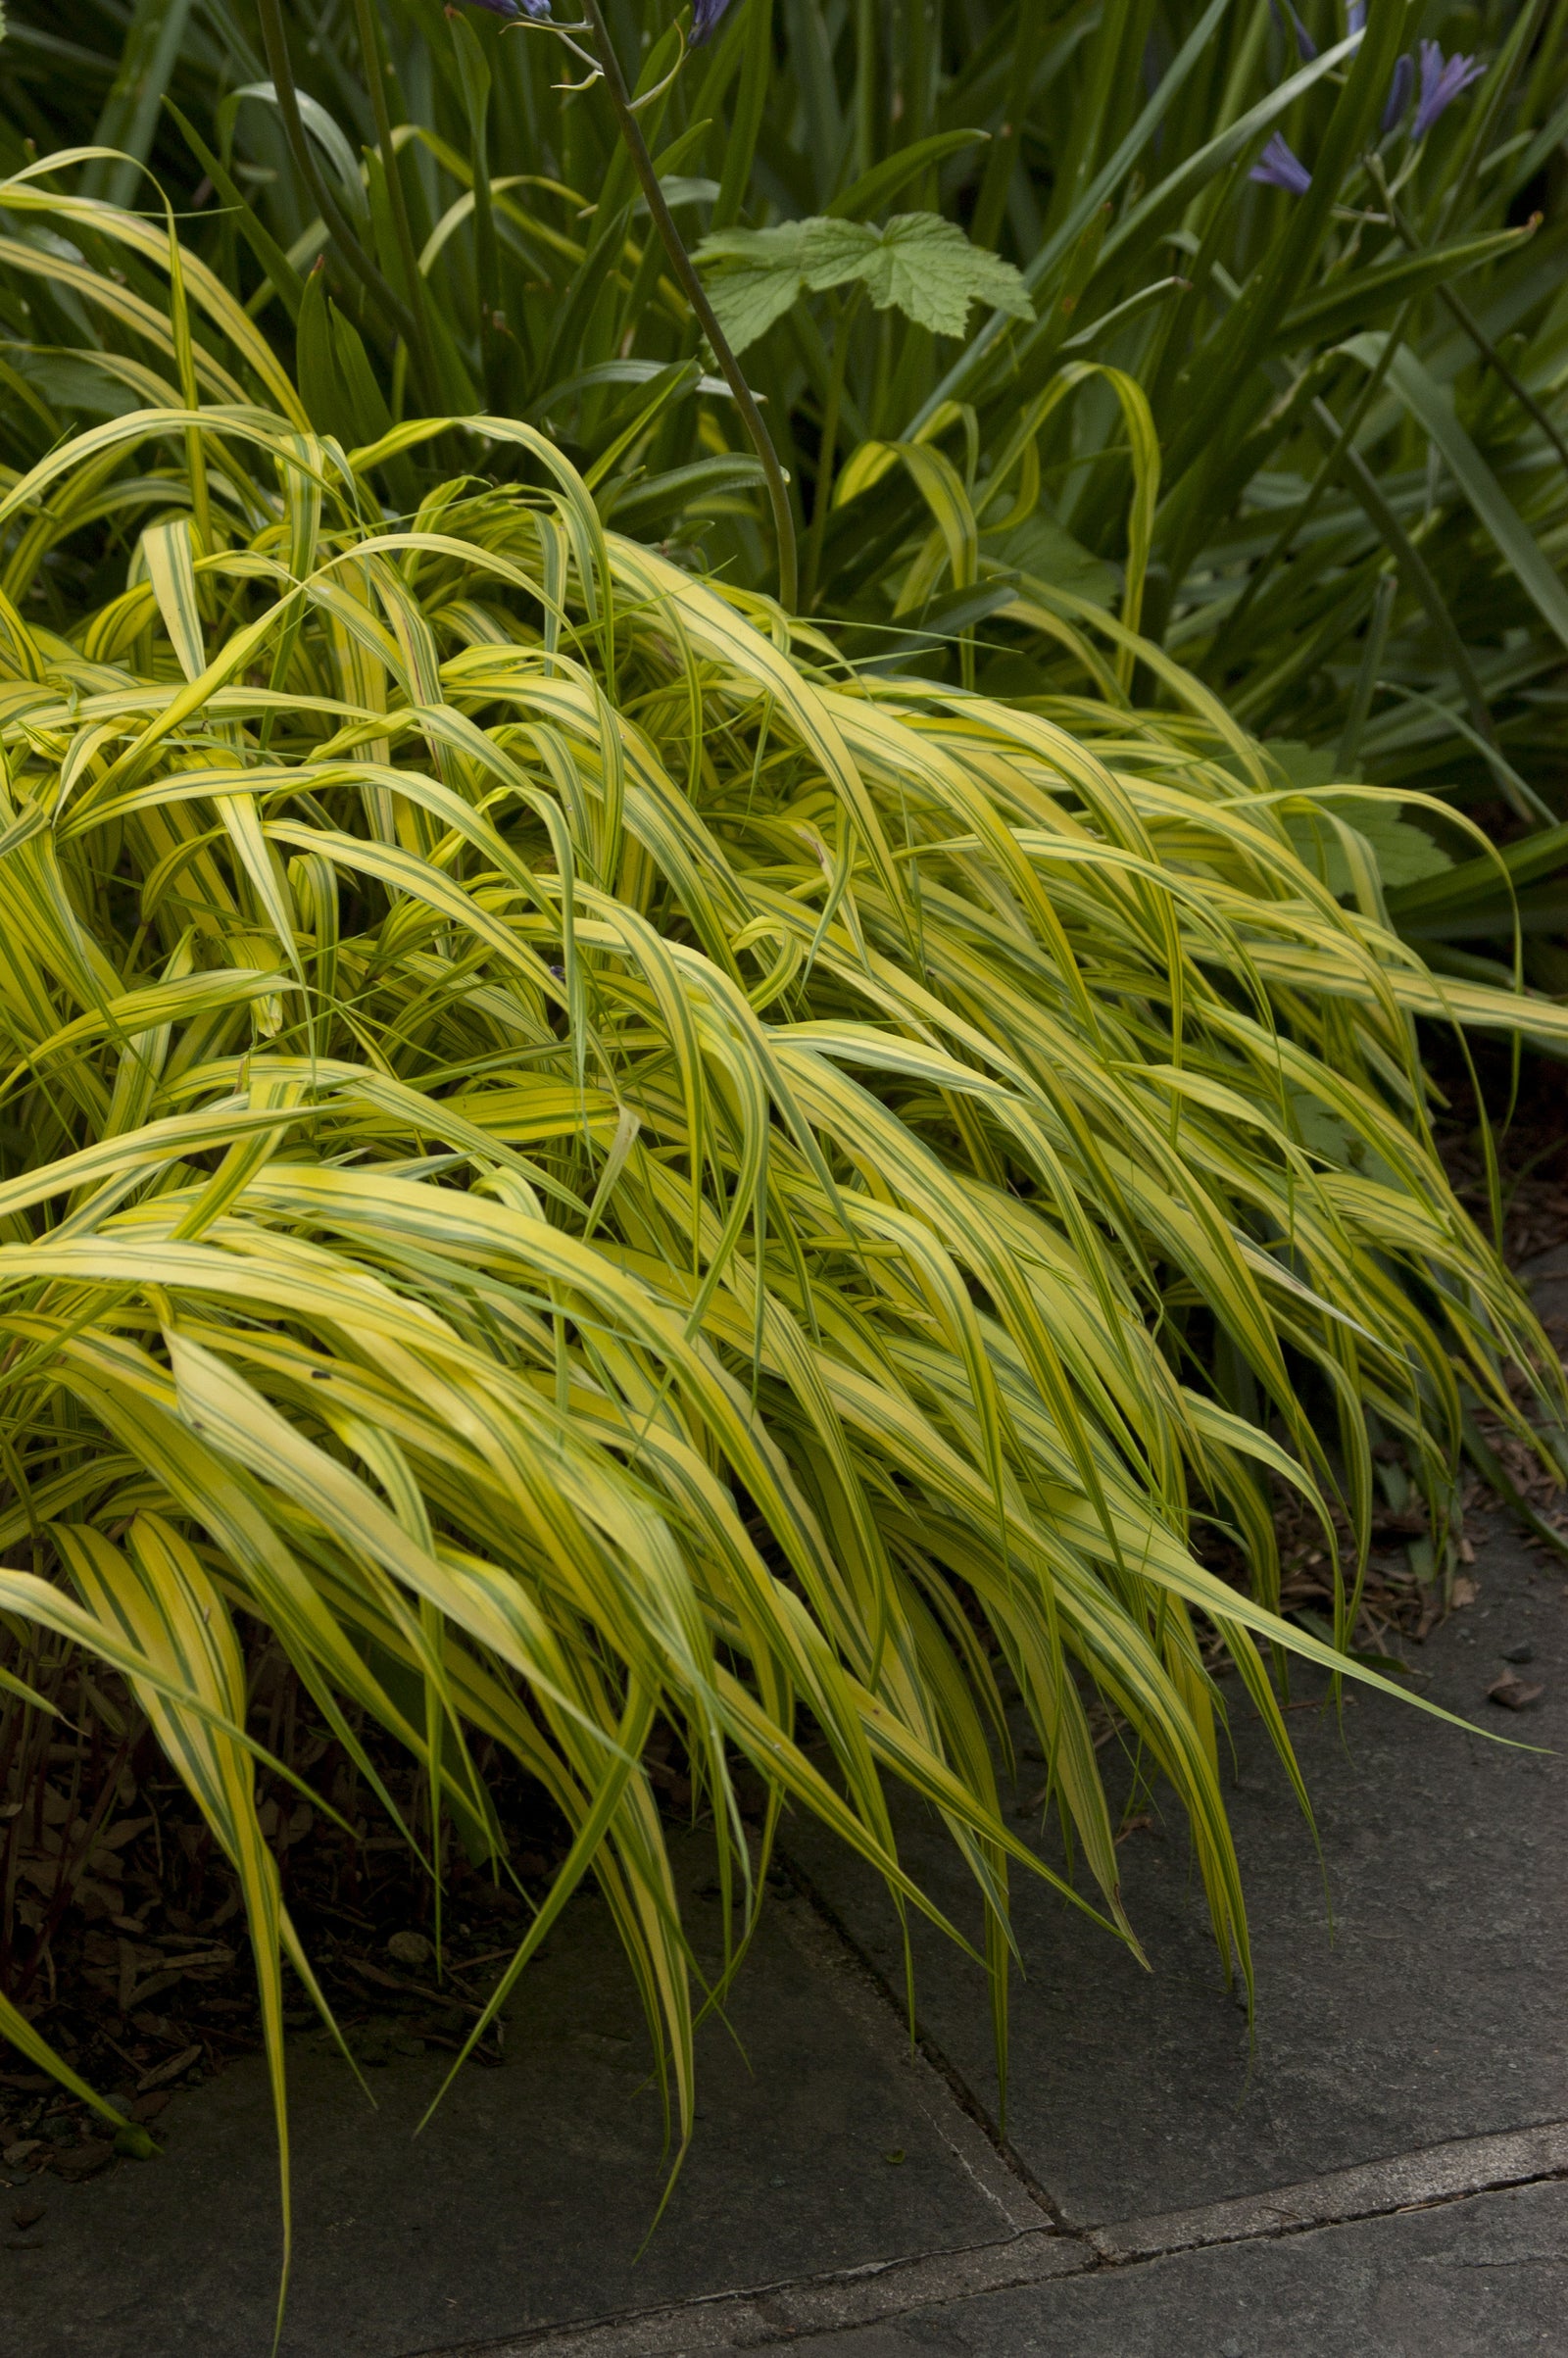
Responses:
[580,1164]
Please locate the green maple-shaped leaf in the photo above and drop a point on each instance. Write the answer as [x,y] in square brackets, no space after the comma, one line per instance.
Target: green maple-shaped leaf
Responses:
[918,264]
[758,274]
[1404,851]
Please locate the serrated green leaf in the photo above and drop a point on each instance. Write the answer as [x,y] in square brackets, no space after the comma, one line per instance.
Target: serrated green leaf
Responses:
[1405,853]
[747,301]
[759,273]
[1303,765]
[920,264]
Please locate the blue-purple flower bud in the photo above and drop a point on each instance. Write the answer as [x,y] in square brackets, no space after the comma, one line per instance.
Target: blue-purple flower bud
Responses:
[1305,42]
[1400,89]
[1278,168]
[1441,80]
[706,14]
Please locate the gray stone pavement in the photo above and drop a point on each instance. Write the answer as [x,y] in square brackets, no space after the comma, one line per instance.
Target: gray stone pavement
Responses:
[529,2195]
[1485,2279]
[1419,1997]
[1386,2170]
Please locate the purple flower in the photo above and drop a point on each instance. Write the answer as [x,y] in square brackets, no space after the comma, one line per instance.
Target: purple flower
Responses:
[706,14]
[1277,167]
[1399,93]
[539,10]
[1356,17]
[1304,39]
[1441,80]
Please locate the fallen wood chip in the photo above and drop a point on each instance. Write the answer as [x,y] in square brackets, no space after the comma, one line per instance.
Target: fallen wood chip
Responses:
[1514,1693]
[392,1980]
[173,2069]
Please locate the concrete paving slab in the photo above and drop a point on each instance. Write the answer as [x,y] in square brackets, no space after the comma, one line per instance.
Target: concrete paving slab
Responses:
[808,2306]
[1485,2275]
[942,2283]
[1468,2165]
[823,2146]
[1430,2009]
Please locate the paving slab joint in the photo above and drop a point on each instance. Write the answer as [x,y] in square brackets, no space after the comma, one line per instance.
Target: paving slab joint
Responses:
[815,1927]
[1422,2180]
[730,2322]
[1432,2177]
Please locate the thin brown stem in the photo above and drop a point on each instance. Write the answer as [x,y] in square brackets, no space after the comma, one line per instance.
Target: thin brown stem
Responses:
[1464,320]
[692,287]
[347,245]
[375,75]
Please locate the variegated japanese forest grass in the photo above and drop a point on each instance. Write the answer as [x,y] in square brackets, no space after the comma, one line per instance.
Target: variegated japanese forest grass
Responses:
[580,1154]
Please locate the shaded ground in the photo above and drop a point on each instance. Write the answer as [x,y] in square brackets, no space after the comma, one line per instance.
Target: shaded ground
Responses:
[1430,2019]
[843,2192]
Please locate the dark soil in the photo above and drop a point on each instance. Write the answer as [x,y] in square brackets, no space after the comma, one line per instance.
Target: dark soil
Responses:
[125,1918]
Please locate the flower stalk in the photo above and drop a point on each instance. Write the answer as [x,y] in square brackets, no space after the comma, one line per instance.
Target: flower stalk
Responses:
[691,287]
[275,43]
[421,349]
[390,304]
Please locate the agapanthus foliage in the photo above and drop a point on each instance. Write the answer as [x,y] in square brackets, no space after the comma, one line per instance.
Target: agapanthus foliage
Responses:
[517,276]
